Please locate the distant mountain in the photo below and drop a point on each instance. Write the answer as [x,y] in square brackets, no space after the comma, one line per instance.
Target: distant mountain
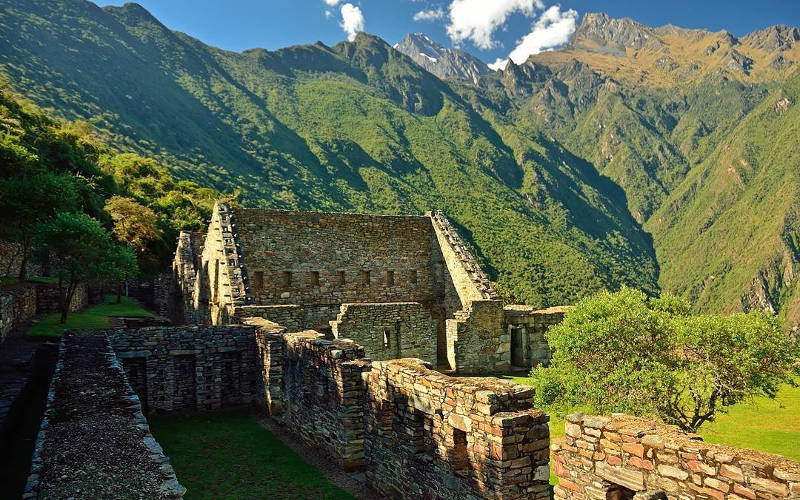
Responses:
[442,62]
[354,127]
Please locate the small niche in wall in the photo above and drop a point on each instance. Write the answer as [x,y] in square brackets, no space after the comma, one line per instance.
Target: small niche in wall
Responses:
[389,278]
[412,277]
[286,278]
[258,280]
[460,458]
[340,278]
[617,492]
[315,278]
[365,277]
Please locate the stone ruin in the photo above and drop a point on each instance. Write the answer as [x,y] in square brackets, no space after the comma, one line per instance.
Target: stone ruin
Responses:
[334,325]
[400,286]
[624,457]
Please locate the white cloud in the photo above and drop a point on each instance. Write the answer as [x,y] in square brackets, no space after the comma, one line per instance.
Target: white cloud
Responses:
[352,20]
[477,20]
[332,3]
[552,29]
[429,15]
[328,14]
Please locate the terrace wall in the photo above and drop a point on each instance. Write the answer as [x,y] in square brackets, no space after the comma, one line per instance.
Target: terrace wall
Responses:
[388,330]
[17,305]
[526,327]
[622,455]
[191,368]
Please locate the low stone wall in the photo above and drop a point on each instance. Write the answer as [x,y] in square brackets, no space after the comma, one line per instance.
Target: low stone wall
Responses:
[290,316]
[323,397]
[94,441]
[191,368]
[388,330]
[47,299]
[526,327]
[11,261]
[433,436]
[476,342]
[620,456]
[17,305]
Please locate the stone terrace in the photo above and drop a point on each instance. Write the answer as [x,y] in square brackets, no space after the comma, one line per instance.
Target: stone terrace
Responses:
[94,441]
[623,456]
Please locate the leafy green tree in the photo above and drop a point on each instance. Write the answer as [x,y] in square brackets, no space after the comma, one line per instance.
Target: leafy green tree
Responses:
[626,352]
[79,249]
[28,199]
[134,224]
[121,267]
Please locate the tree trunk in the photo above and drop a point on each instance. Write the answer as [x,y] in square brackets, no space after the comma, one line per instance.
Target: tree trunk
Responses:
[66,301]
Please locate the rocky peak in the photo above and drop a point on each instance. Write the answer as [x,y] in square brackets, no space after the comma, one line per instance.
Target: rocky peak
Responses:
[774,39]
[601,33]
[442,62]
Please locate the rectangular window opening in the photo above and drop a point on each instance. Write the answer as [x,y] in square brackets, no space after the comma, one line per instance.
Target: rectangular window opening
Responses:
[386,335]
[287,278]
[365,278]
[315,278]
[340,278]
[390,278]
[413,276]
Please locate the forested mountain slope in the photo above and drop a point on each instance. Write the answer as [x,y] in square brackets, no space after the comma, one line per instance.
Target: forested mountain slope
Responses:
[357,126]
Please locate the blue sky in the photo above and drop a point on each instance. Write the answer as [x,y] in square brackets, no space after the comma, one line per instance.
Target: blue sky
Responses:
[490,29]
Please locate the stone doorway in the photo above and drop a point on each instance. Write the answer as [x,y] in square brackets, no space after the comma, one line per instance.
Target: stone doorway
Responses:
[518,337]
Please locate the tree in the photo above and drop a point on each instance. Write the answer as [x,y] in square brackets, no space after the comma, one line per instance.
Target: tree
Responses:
[134,224]
[122,266]
[626,352]
[79,248]
[29,198]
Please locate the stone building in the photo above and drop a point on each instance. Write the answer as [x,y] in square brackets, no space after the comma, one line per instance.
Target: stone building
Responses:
[401,286]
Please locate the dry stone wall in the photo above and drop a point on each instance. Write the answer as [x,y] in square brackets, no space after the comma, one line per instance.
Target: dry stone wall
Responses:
[433,436]
[290,316]
[11,261]
[94,440]
[388,330]
[17,305]
[622,456]
[526,327]
[191,368]
[326,258]
[48,299]
[476,342]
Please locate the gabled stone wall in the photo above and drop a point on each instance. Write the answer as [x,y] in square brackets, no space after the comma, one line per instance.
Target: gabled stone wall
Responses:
[622,455]
[388,330]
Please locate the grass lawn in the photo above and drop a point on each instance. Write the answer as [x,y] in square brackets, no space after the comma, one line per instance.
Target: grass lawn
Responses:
[229,455]
[771,425]
[94,317]
[11,281]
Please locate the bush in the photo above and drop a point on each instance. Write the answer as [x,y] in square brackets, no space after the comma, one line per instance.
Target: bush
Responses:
[626,352]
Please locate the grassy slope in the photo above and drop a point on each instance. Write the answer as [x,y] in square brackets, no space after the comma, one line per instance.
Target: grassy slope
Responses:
[355,127]
[735,215]
[228,455]
[94,317]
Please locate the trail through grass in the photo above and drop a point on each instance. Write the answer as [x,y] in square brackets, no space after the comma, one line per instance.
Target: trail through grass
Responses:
[229,455]
[94,317]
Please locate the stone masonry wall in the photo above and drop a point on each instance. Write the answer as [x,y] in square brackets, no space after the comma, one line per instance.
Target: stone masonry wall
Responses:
[323,395]
[11,261]
[191,368]
[47,299]
[526,327]
[94,440]
[291,316]
[476,342]
[433,436]
[184,288]
[332,258]
[388,330]
[17,305]
[601,457]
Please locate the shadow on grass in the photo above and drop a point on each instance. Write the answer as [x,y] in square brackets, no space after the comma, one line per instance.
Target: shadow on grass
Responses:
[229,455]
[94,317]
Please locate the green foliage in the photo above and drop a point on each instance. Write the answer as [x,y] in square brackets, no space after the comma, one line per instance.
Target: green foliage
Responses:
[94,317]
[626,352]
[356,127]
[78,248]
